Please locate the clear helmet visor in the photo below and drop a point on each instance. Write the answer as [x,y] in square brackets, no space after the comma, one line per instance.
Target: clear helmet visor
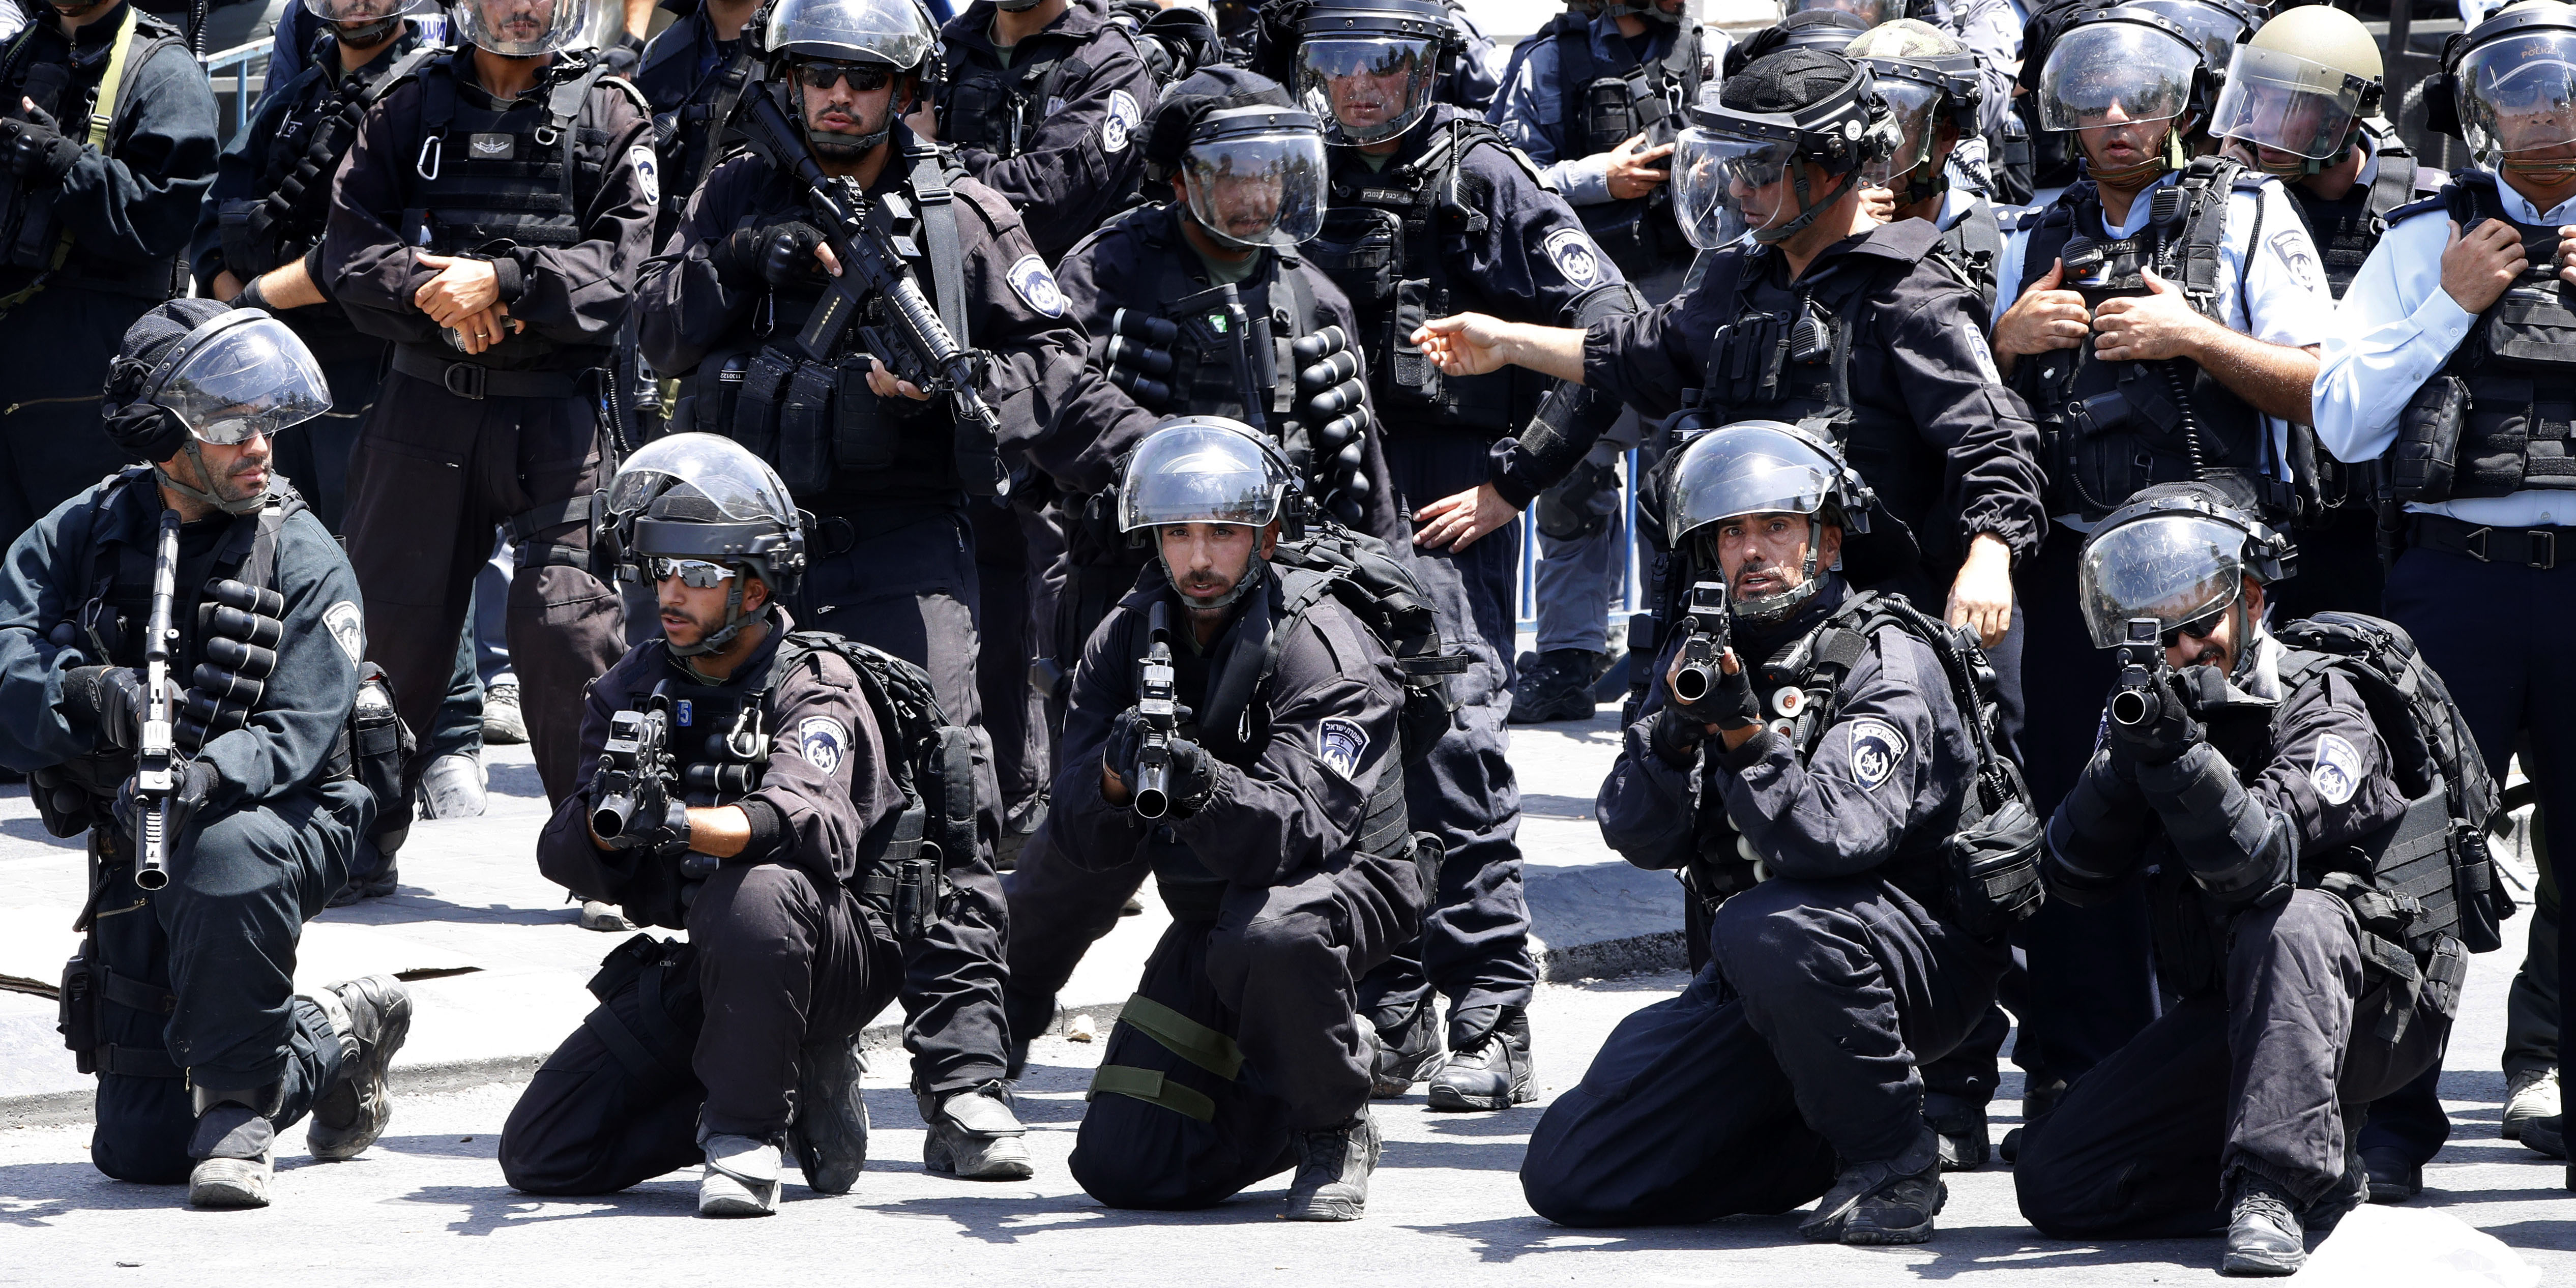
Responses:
[1201,469]
[1911,103]
[528,28]
[2290,104]
[2174,567]
[1727,185]
[895,32]
[1260,190]
[1872,12]
[2216,30]
[735,485]
[239,377]
[1752,467]
[1366,89]
[366,11]
[2517,96]
[2115,73]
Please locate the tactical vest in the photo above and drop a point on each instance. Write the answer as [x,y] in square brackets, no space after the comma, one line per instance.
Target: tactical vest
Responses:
[1604,104]
[2112,428]
[689,116]
[2348,228]
[301,156]
[1971,251]
[834,443]
[1381,242]
[35,246]
[2496,419]
[1001,109]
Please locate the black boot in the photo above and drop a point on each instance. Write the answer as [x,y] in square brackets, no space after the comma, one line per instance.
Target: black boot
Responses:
[2264,1235]
[1492,1072]
[1559,687]
[372,1017]
[1404,1051]
[2037,1104]
[1333,1168]
[1961,1125]
[1882,1203]
[830,1132]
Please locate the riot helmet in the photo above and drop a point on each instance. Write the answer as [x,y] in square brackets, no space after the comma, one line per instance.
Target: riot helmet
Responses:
[364,22]
[2509,89]
[1367,68]
[2217,26]
[1650,10]
[1741,166]
[702,508]
[532,28]
[2178,553]
[1831,30]
[1927,76]
[1205,469]
[2121,67]
[2299,89]
[1870,12]
[1762,467]
[1251,166]
[196,371]
[895,33]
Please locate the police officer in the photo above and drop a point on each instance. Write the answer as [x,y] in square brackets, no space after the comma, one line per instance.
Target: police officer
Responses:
[2421,377]
[259,234]
[890,474]
[487,222]
[1044,101]
[1830,752]
[1269,805]
[1433,212]
[107,143]
[182,998]
[688,73]
[755,841]
[1596,103]
[2304,911]
[1266,38]
[1933,87]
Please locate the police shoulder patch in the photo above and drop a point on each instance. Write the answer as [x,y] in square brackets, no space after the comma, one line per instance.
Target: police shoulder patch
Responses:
[2336,773]
[348,625]
[822,741]
[1575,257]
[1341,744]
[1120,125]
[1876,750]
[648,173]
[1036,286]
[2299,256]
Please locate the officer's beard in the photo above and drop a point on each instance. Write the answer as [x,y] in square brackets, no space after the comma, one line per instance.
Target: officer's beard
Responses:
[1200,591]
[847,146]
[1774,604]
[229,494]
[367,35]
[77,8]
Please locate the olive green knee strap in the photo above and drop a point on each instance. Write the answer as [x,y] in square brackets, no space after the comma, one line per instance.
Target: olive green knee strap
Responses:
[1183,1036]
[1152,1088]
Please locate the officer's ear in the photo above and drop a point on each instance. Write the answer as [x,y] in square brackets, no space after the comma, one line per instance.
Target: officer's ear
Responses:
[2253,600]
[755,592]
[1269,538]
[1829,547]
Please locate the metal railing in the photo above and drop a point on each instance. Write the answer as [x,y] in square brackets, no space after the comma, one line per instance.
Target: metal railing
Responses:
[248,65]
[1632,574]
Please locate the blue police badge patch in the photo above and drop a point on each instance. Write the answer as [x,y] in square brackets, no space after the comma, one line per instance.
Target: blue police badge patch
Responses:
[1574,256]
[348,627]
[1876,749]
[822,742]
[648,174]
[2337,772]
[1120,125]
[1035,285]
[1340,745]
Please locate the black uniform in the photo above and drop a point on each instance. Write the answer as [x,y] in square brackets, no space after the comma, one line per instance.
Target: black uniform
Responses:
[1456,221]
[2258,848]
[198,977]
[1835,967]
[1292,881]
[85,251]
[893,557]
[268,207]
[1055,125]
[683,74]
[781,953]
[557,187]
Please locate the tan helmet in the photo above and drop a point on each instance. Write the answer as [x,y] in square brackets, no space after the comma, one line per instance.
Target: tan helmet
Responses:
[2324,34]
[2298,93]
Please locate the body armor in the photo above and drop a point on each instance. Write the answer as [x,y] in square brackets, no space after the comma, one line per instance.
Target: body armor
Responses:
[1971,251]
[35,246]
[1604,104]
[2345,230]
[1001,109]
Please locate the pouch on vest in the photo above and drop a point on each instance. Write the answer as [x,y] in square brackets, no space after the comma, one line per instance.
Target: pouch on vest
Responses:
[709,397]
[864,436]
[1409,372]
[1611,109]
[764,387]
[2421,461]
[805,429]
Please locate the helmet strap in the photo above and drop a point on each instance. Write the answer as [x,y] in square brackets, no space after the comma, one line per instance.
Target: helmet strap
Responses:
[1252,571]
[1770,609]
[1807,211]
[228,505]
[734,621]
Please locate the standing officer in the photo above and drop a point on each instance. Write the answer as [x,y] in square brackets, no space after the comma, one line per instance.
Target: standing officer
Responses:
[688,74]
[107,143]
[791,792]
[2305,911]
[2444,349]
[488,222]
[1932,86]
[182,998]
[1831,758]
[1044,103]
[1271,811]
[891,560]
[1596,103]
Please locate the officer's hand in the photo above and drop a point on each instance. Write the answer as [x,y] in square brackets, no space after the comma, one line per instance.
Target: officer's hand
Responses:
[1981,597]
[1879,204]
[111,699]
[1193,777]
[1469,344]
[2144,328]
[2045,317]
[191,786]
[487,328]
[463,288]
[1634,171]
[1729,705]
[39,151]
[884,384]
[1454,522]
[923,119]
[2567,255]
[226,285]
[2477,268]
[2167,732]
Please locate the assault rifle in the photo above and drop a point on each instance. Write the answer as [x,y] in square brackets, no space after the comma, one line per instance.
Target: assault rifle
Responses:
[1158,704]
[157,752]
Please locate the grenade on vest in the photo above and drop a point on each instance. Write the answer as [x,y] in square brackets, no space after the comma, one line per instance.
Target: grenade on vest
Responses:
[1704,641]
[2141,695]
[1158,711]
[1139,355]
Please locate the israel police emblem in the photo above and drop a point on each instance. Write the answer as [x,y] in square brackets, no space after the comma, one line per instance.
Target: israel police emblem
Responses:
[1035,285]
[1341,744]
[1876,748]
[1574,256]
[1120,125]
[348,628]
[2337,772]
[648,174]
[822,742]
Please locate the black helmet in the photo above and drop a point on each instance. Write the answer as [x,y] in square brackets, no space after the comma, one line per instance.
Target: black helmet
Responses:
[1762,467]
[197,371]
[1761,127]
[2504,84]
[706,498]
[2177,552]
[1340,42]
[1251,165]
[2129,59]
[1207,469]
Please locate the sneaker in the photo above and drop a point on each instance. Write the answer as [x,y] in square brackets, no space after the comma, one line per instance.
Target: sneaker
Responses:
[503,726]
[2264,1236]
[1493,1072]
[372,1017]
[1961,1126]
[975,1136]
[452,786]
[1333,1168]
[741,1177]
[1559,687]
[600,915]
[2532,1093]
[235,1145]
[230,1182]
[1882,1203]
[1403,1053]
[830,1134]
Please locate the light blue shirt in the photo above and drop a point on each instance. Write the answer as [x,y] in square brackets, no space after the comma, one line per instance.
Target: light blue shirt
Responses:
[2394,330]
[1530,110]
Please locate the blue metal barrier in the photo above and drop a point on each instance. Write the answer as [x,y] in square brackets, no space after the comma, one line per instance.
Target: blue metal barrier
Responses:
[1632,573]
[240,60]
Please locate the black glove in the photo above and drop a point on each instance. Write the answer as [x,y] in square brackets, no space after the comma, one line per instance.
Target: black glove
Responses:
[2168,731]
[109,699]
[1192,778]
[1677,734]
[39,151]
[653,821]
[192,785]
[773,256]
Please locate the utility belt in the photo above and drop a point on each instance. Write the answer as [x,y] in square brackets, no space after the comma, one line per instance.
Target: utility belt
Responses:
[89,985]
[910,894]
[476,382]
[2530,547]
[808,419]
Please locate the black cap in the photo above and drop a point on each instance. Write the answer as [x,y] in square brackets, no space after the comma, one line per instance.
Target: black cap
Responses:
[1791,80]
[149,432]
[1210,89]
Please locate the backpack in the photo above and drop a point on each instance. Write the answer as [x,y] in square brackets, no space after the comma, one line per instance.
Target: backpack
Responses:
[1380,591]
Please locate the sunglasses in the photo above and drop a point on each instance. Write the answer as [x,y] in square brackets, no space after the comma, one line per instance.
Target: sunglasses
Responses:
[2198,628]
[696,574]
[863,77]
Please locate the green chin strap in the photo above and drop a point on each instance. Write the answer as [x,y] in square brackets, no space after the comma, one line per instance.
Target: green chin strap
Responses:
[1806,212]
[228,505]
